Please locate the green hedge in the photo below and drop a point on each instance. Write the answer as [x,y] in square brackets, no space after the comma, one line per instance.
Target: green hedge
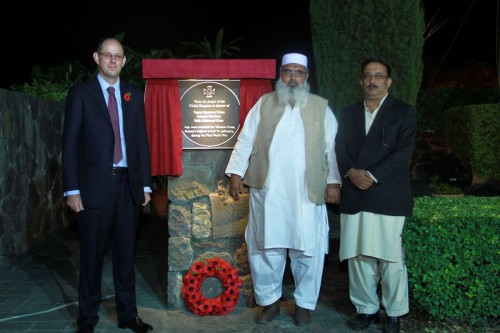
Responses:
[453,258]
[432,103]
[473,133]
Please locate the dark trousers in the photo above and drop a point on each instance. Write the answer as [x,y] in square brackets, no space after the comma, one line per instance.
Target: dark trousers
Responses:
[112,226]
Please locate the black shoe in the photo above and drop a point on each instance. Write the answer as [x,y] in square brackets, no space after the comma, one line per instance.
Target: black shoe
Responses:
[302,316]
[136,325]
[362,321]
[391,325]
[85,329]
[269,312]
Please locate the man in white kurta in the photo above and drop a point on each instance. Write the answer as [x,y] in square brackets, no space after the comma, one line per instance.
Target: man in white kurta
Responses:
[282,218]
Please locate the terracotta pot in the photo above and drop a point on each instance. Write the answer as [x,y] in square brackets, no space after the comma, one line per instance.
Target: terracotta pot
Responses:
[159,202]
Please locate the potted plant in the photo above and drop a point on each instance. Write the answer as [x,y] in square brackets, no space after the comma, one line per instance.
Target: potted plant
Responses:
[159,196]
[444,189]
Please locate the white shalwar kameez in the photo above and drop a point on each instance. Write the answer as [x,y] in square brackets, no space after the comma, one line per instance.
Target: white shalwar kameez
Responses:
[281,216]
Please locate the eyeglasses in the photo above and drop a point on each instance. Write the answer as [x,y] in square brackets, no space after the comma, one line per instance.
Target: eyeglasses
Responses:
[289,72]
[108,56]
[376,76]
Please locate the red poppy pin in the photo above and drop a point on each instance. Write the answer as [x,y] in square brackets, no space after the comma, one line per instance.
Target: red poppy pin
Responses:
[127,96]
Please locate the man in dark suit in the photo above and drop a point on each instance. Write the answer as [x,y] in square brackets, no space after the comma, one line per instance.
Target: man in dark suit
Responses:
[106,177]
[374,145]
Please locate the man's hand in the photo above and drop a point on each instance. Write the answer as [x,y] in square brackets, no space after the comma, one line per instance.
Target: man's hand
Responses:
[332,193]
[74,202]
[236,187]
[147,198]
[361,178]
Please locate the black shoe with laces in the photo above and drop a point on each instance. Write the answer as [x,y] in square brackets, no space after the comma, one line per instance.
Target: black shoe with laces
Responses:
[136,325]
[362,320]
[391,325]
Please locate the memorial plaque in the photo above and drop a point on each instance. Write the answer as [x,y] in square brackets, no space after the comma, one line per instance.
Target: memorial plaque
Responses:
[210,113]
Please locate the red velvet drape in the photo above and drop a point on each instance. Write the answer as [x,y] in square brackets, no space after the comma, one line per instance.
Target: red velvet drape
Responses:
[164,125]
[250,91]
[163,107]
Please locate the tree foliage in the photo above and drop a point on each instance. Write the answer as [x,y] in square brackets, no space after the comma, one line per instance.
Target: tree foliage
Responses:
[55,82]
[346,32]
[204,49]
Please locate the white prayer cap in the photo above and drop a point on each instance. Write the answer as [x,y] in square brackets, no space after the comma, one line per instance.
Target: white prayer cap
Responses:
[294,58]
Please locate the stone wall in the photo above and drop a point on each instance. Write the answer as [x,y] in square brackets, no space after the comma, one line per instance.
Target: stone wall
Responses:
[30,171]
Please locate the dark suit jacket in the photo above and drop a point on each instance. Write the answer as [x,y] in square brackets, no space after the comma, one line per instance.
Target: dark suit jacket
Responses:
[88,143]
[385,151]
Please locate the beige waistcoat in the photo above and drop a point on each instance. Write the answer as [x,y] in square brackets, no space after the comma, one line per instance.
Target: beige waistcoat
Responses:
[313,118]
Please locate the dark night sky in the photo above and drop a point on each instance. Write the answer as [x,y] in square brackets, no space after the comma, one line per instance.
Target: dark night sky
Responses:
[47,37]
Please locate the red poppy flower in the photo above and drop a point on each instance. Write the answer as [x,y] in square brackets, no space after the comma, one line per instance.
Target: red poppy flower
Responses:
[127,96]
[208,270]
[197,269]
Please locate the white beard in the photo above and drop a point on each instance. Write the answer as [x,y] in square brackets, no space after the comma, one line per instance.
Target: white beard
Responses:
[292,95]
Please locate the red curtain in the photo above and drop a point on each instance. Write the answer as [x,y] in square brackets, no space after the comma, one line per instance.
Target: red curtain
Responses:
[208,69]
[164,125]
[250,91]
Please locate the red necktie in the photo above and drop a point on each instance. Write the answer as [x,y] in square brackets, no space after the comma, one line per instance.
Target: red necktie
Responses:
[113,113]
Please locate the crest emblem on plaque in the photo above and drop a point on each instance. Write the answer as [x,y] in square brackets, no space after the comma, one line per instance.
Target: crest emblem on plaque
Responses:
[209,91]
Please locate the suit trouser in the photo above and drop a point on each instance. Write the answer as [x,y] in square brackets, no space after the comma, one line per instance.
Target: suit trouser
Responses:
[114,223]
[268,266]
[365,274]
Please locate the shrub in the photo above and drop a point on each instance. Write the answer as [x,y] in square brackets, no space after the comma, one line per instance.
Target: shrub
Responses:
[440,187]
[54,82]
[474,135]
[453,258]
[432,103]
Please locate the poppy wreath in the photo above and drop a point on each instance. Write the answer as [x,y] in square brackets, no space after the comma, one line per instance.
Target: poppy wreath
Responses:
[194,278]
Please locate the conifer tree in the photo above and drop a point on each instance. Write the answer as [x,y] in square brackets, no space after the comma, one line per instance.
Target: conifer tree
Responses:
[345,32]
